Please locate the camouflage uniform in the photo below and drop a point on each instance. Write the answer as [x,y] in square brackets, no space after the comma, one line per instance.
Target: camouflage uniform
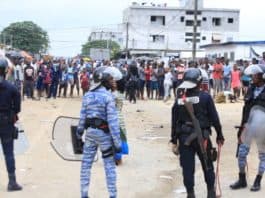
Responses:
[99,103]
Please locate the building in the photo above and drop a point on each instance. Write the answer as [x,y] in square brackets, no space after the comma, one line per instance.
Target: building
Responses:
[160,30]
[235,50]
[109,34]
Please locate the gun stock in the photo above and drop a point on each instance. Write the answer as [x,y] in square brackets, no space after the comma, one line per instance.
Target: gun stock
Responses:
[198,132]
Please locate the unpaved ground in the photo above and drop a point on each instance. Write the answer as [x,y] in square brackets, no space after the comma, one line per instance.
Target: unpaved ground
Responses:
[151,170]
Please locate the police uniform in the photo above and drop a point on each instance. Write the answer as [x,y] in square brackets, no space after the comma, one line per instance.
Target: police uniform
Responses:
[255,97]
[182,128]
[10,104]
[99,104]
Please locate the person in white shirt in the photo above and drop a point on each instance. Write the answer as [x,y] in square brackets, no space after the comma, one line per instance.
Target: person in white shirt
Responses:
[167,83]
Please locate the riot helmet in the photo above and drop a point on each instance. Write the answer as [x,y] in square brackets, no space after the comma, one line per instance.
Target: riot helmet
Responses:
[257,72]
[192,77]
[100,78]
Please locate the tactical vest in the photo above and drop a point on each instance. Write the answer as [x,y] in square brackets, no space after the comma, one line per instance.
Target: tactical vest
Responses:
[250,102]
[200,111]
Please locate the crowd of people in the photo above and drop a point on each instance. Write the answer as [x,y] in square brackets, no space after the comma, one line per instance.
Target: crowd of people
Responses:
[144,79]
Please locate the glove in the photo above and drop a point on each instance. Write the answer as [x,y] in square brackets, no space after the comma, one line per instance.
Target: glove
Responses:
[175,149]
[79,133]
[220,139]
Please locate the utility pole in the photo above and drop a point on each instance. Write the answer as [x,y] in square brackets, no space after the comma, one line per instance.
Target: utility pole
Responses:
[127,40]
[195,23]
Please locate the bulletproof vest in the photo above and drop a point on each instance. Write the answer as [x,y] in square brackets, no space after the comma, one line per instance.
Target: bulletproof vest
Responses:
[200,111]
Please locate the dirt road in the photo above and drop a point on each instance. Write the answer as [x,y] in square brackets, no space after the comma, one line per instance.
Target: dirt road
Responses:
[151,170]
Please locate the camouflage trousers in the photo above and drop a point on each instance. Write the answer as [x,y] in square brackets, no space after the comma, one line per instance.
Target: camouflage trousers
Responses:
[242,158]
[94,139]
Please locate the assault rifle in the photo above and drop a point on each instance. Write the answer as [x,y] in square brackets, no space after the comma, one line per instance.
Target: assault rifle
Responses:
[197,134]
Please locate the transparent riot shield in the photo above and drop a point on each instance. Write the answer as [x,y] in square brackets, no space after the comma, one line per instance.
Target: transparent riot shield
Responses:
[255,127]
[64,140]
[21,143]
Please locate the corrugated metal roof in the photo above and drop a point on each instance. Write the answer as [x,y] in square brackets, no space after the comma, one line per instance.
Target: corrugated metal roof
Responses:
[234,43]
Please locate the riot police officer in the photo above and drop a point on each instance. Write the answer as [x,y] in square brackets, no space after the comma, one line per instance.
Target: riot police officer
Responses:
[10,102]
[255,98]
[99,116]
[183,129]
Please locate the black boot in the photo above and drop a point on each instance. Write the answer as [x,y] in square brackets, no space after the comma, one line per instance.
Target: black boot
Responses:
[211,193]
[241,183]
[190,194]
[256,185]
[12,184]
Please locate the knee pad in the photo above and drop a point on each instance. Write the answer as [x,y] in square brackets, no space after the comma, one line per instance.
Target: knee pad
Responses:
[107,153]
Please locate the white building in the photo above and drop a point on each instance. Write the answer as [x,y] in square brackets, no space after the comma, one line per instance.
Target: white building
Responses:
[162,30]
[109,34]
[235,50]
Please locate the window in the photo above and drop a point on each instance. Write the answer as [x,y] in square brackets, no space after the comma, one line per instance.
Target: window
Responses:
[191,12]
[191,22]
[232,56]
[216,21]
[182,19]
[158,38]
[158,20]
[191,34]
[204,38]
[204,19]
[191,40]
[230,20]
[225,55]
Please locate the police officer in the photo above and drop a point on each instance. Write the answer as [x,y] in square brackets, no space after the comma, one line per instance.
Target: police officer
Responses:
[255,97]
[10,102]
[183,127]
[99,115]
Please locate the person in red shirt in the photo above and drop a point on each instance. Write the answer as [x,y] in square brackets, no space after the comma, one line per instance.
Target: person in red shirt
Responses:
[84,79]
[217,76]
[148,72]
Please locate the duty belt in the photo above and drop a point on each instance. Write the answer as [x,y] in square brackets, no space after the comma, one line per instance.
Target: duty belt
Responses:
[97,123]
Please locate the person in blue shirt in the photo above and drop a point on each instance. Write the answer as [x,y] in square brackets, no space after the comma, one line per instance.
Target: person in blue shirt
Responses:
[100,117]
[227,76]
[10,106]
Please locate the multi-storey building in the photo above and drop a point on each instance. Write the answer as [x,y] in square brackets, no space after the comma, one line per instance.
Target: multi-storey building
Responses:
[165,31]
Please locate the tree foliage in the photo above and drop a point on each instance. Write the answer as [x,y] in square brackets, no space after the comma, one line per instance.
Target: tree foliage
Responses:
[26,36]
[102,44]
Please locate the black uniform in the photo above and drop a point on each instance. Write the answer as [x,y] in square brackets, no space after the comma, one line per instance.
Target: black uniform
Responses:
[10,102]
[182,128]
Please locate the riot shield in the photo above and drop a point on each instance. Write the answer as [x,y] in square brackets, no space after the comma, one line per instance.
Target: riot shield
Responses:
[21,144]
[255,127]
[64,140]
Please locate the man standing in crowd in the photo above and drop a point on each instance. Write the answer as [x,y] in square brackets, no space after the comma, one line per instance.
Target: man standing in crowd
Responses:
[10,104]
[217,77]
[28,80]
[183,129]
[227,76]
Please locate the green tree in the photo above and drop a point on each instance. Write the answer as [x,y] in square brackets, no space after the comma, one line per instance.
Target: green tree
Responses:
[26,36]
[102,44]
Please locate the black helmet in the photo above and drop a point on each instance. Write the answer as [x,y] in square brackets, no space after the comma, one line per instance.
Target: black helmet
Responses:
[192,77]
[100,78]
[3,63]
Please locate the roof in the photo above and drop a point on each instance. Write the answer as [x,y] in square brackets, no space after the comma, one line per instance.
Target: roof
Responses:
[234,43]
[182,8]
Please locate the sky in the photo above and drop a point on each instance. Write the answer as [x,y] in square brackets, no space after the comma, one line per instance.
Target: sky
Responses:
[69,22]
